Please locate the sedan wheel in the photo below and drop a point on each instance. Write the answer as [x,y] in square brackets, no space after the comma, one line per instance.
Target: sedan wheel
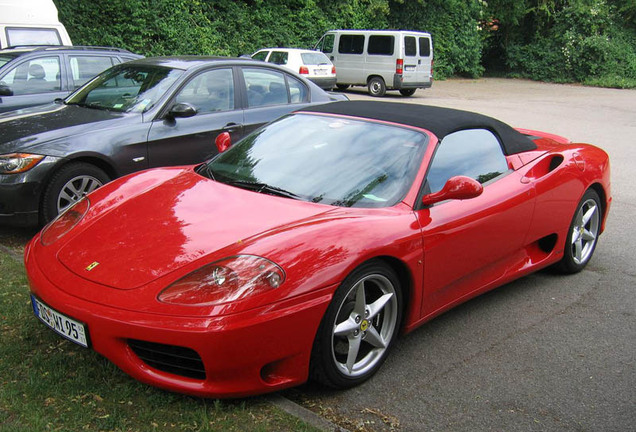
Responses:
[583,234]
[359,327]
[70,184]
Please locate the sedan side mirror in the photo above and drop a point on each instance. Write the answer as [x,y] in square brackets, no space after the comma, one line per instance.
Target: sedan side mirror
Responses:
[458,187]
[223,142]
[182,110]
[5,90]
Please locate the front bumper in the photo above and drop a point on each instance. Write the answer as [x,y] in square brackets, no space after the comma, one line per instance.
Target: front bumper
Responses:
[258,351]
[20,194]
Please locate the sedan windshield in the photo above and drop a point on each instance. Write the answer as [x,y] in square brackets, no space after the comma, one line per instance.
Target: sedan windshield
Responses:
[325,159]
[126,88]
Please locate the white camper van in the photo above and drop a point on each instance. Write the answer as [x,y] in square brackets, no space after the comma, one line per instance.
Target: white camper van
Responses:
[30,22]
[380,59]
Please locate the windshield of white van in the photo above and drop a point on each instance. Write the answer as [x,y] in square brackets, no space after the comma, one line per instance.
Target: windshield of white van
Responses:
[19,36]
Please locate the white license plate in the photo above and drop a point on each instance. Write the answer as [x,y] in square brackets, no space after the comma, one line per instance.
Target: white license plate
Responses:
[72,330]
[409,68]
[321,71]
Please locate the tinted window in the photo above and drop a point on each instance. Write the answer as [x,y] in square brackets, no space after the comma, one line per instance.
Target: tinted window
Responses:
[278,57]
[425,47]
[475,153]
[381,45]
[351,44]
[410,46]
[326,43]
[39,75]
[261,55]
[84,68]
[335,161]
[209,91]
[297,90]
[265,87]
[32,36]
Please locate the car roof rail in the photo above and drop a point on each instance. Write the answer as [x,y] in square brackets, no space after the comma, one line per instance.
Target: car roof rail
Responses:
[70,47]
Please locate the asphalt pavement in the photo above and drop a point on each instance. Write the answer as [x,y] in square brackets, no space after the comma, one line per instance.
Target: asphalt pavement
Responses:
[544,353]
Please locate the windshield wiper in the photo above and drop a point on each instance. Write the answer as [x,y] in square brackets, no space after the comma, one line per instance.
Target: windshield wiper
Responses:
[262,188]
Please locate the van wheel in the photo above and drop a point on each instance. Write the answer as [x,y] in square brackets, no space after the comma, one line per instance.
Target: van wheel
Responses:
[377,87]
[342,86]
[407,92]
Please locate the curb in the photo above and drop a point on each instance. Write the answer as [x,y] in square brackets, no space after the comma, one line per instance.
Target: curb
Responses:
[304,414]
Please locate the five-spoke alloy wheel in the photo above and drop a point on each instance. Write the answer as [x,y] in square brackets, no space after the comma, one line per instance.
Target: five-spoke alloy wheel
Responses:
[359,327]
[583,233]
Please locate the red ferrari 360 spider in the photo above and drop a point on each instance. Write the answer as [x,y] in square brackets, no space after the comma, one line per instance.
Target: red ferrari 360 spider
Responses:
[304,249]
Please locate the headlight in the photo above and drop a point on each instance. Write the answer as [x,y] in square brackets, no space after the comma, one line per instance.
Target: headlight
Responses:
[64,222]
[224,281]
[15,163]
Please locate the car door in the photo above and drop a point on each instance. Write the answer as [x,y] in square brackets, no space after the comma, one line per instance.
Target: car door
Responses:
[471,243]
[270,94]
[34,81]
[178,140]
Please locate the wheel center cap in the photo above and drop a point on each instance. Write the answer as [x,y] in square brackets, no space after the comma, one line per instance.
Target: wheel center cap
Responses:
[364,325]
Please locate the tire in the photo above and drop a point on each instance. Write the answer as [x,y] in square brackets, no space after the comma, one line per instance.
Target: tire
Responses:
[582,234]
[358,328]
[377,87]
[68,185]
[407,92]
[342,86]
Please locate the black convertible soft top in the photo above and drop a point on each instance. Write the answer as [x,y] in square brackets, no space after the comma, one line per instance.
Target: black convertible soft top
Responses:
[440,121]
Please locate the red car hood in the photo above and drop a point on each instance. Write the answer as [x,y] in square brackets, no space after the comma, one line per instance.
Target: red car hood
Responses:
[172,224]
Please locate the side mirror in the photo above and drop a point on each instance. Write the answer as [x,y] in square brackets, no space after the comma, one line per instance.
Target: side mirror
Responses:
[458,187]
[223,141]
[5,90]
[182,110]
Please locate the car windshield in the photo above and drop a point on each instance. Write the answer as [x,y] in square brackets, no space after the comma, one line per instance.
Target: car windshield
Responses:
[325,159]
[313,59]
[126,88]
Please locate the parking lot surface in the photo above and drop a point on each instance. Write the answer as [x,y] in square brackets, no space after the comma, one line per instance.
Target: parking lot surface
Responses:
[546,352]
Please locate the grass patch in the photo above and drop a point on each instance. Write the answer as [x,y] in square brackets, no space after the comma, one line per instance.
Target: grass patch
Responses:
[50,384]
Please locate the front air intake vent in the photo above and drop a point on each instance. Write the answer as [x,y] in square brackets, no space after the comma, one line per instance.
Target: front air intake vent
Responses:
[169,358]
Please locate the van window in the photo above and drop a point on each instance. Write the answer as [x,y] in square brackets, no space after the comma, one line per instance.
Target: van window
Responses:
[410,46]
[351,44]
[326,43]
[32,36]
[425,47]
[381,45]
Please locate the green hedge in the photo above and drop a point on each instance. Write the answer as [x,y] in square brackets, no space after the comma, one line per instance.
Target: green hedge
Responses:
[589,41]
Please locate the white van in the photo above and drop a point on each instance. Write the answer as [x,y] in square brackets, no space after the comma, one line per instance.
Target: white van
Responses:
[32,22]
[380,59]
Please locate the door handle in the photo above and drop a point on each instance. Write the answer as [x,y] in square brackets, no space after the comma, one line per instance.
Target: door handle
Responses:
[330,57]
[231,127]
[419,61]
